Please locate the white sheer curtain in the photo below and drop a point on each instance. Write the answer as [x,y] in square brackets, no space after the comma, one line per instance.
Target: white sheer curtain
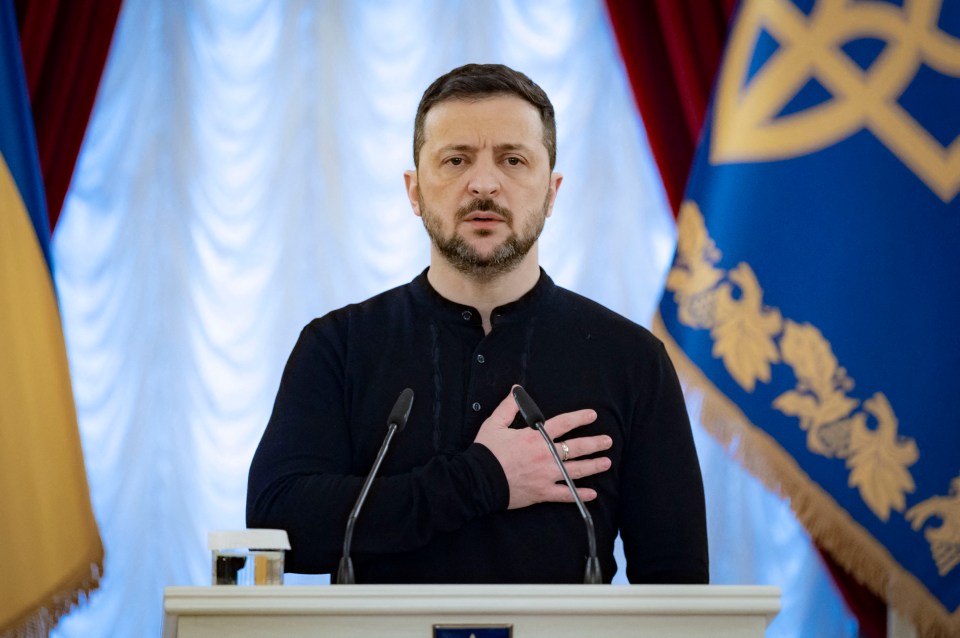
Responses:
[242,174]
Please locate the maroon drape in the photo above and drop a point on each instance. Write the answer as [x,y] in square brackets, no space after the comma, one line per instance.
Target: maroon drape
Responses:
[65,45]
[870,610]
[672,50]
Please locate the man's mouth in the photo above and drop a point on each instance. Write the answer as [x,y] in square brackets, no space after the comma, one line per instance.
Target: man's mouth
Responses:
[483,217]
[483,214]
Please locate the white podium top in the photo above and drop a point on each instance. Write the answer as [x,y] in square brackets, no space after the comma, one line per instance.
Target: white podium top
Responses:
[534,611]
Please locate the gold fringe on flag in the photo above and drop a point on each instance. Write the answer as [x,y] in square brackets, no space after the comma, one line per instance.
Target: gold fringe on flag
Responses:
[833,529]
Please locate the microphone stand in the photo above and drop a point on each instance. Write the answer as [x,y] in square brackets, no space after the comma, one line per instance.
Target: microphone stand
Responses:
[534,418]
[398,419]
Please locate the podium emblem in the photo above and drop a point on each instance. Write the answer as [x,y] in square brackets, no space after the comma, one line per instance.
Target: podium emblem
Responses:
[473,631]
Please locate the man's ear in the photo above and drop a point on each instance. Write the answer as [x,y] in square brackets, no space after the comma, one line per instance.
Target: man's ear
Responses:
[410,179]
[555,179]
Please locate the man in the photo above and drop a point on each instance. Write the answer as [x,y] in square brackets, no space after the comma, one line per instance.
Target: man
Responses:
[467,493]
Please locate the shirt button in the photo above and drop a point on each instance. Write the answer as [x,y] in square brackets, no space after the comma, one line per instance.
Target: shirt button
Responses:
[467,315]
[481,358]
[476,407]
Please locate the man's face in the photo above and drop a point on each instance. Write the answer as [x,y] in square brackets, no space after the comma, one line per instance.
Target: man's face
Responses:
[484,186]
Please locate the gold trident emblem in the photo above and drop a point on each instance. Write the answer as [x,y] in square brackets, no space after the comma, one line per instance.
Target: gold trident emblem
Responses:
[747,127]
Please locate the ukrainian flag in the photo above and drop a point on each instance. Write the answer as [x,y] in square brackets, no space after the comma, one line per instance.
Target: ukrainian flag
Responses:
[812,308]
[50,550]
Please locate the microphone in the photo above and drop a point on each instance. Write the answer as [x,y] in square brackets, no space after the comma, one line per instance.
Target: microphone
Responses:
[398,419]
[534,418]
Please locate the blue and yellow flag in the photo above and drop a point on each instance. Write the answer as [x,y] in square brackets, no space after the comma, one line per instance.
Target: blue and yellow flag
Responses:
[48,536]
[814,300]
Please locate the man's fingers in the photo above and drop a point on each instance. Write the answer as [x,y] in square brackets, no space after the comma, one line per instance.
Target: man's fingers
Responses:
[504,414]
[587,467]
[583,446]
[561,494]
[563,423]
[531,473]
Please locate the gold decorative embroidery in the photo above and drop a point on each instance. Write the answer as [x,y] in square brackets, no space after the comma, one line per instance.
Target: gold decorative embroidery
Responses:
[945,539]
[820,399]
[748,126]
[693,275]
[750,338]
[744,330]
[879,459]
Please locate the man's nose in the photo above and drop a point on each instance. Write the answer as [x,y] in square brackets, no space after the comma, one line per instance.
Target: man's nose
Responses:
[484,181]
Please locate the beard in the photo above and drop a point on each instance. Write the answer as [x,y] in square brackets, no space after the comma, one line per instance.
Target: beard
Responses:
[465,258]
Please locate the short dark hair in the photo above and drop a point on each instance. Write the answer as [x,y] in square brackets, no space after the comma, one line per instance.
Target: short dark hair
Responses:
[479,81]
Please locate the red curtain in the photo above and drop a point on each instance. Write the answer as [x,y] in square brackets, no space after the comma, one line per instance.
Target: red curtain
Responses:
[871,611]
[65,45]
[672,51]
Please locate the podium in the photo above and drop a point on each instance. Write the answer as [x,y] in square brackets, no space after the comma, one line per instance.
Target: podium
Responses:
[412,611]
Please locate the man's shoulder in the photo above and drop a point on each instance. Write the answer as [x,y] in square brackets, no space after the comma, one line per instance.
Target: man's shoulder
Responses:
[378,307]
[600,319]
[389,300]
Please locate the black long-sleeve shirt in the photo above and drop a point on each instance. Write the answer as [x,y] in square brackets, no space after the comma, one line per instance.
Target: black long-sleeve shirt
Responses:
[438,513]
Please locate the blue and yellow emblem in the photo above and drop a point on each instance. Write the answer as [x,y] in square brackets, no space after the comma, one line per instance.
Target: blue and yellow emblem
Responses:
[814,296]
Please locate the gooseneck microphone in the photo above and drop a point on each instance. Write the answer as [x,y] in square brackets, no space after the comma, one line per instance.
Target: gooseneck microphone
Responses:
[534,418]
[398,418]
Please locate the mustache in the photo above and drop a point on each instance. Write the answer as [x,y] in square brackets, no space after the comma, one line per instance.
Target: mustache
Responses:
[486,206]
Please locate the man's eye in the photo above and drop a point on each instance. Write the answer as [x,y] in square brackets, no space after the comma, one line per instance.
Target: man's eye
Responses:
[514,161]
[455,161]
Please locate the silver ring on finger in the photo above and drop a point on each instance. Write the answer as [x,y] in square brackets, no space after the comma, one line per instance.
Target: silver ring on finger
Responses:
[566,451]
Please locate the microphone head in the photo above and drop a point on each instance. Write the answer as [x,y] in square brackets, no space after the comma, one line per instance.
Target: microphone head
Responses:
[528,409]
[401,410]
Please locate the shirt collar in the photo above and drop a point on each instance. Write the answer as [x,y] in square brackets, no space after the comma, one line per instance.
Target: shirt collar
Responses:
[517,310]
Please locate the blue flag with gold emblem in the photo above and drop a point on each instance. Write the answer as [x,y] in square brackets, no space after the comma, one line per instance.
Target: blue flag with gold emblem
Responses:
[814,297]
